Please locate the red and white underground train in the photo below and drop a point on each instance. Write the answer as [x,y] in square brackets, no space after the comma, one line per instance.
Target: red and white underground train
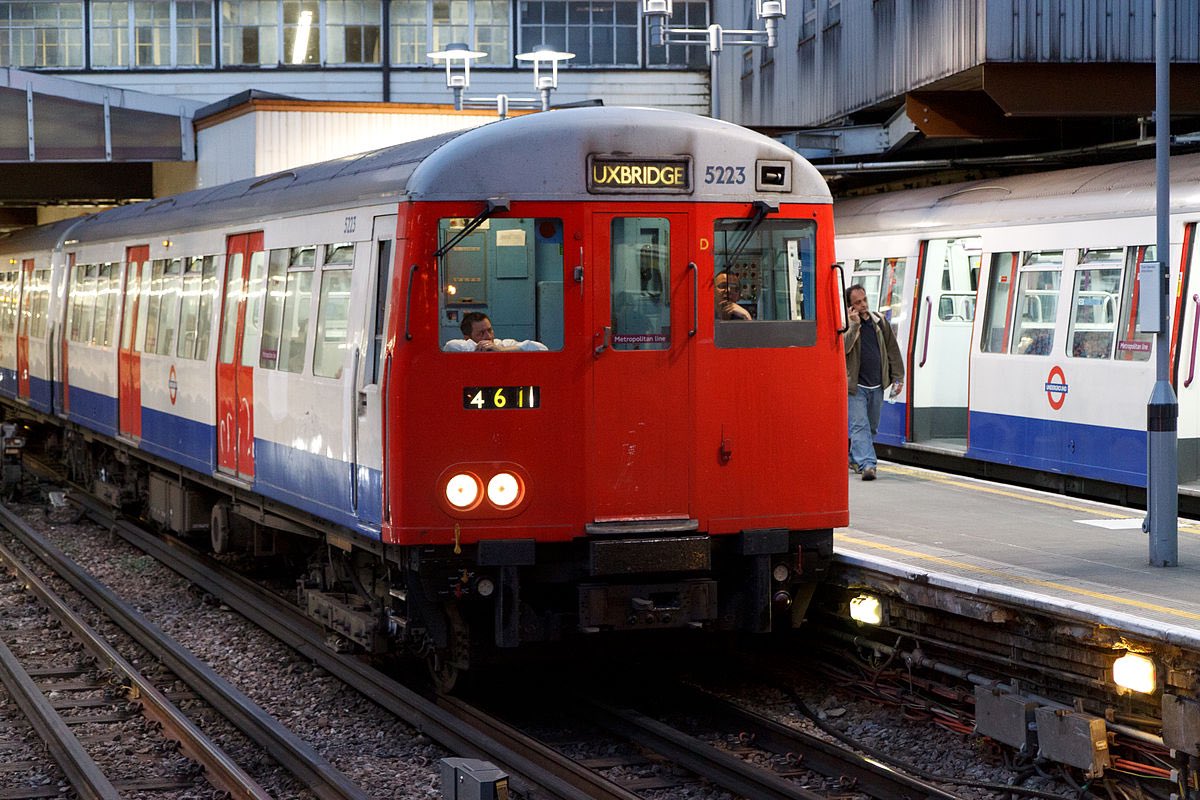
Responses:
[266,361]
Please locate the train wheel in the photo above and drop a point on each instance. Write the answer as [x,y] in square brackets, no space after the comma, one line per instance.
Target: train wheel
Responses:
[442,672]
[219,528]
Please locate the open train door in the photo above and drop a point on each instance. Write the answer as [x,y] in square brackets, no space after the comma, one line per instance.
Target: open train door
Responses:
[368,417]
[23,322]
[643,304]
[129,358]
[947,283]
[235,369]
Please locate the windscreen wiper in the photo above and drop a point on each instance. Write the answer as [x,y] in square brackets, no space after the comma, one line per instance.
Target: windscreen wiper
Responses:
[761,209]
[494,204]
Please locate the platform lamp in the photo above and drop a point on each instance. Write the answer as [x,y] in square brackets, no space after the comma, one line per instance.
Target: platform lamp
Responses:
[714,37]
[457,82]
[545,84]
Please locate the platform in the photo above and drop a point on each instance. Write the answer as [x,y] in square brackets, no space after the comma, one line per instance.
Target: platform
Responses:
[1024,546]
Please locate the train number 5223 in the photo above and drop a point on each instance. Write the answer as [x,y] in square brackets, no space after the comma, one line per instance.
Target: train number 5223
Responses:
[719,173]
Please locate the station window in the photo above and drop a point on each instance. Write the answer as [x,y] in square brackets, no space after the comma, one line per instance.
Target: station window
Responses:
[1132,345]
[288,307]
[196,306]
[1036,305]
[598,32]
[1095,303]
[43,33]
[352,30]
[250,33]
[764,282]
[509,269]
[683,15]
[419,26]
[138,33]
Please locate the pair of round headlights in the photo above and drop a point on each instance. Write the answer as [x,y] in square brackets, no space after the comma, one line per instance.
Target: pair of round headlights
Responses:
[465,490]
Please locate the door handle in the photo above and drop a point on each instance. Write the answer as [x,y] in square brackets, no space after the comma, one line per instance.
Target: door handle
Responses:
[695,297]
[605,341]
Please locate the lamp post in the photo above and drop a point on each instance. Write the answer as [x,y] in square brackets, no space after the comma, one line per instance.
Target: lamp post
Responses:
[715,37]
[459,81]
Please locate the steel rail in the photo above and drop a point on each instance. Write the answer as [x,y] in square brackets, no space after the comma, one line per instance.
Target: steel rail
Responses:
[293,753]
[221,771]
[534,770]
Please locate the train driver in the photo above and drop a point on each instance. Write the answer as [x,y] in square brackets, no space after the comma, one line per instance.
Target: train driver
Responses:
[729,291]
[479,337]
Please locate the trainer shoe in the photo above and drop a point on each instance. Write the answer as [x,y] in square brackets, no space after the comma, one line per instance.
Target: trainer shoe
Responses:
[868,474]
[855,468]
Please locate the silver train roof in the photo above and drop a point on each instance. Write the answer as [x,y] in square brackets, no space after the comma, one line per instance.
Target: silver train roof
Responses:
[1106,191]
[533,157]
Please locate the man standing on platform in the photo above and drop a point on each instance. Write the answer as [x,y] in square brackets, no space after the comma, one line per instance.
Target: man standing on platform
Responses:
[873,361]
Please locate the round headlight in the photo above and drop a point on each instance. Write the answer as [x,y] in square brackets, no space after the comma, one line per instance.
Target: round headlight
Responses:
[462,490]
[504,490]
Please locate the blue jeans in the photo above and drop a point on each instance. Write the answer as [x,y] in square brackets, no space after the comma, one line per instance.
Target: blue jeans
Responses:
[864,407]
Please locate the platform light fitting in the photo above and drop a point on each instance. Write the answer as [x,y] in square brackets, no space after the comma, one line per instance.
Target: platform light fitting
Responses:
[1136,673]
[866,609]
[541,55]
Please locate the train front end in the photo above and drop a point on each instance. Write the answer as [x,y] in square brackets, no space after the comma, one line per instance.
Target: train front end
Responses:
[615,383]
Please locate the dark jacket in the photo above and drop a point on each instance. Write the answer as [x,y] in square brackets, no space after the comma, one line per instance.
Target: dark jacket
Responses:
[889,353]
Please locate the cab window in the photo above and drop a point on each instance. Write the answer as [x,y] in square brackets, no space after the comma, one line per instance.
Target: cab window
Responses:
[640,283]
[764,283]
[507,269]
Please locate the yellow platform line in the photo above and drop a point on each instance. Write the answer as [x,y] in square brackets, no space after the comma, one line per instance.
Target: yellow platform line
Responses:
[949,480]
[1006,577]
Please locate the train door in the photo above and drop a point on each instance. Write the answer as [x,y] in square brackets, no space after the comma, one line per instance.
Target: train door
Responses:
[244,258]
[368,419]
[948,279]
[129,359]
[23,322]
[643,305]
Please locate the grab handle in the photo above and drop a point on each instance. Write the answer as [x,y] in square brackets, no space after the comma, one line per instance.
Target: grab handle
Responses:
[928,325]
[1195,328]
[408,302]
[605,341]
[841,298]
[695,298]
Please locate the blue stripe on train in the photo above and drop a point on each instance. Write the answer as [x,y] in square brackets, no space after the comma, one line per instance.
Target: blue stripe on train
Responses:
[8,382]
[185,441]
[1070,448]
[39,393]
[93,410]
[317,484]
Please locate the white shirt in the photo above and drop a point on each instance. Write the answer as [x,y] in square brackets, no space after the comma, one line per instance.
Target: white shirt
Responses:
[468,346]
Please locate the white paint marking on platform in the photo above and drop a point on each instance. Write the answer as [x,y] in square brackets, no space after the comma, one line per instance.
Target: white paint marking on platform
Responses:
[1127,524]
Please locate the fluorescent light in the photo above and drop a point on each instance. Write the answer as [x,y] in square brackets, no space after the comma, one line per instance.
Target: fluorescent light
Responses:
[300,46]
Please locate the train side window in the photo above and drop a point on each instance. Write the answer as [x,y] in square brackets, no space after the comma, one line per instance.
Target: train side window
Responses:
[168,311]
[891,290]
[107,298]
[1132,345]
[41,303]
[868,273]
[297,307]
[273,309]
[772,267]
[997,316]
[509,268]
[148,336]
[196,296]
[1036,305]
[81,299]
[255,289]
[1094,304]
[333,316]
[958,260]
[87,324]
[640,282]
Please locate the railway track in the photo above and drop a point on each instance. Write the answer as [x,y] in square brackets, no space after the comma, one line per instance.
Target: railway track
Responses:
[79,695]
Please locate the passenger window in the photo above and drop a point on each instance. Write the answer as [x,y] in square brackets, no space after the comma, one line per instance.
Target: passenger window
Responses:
[772,266]
[273,309]
[868,273]
[168,314]
[891,290]
[1095,303]
[332,320]
[997,318]
[82,307]
[1132,345]
[41,302]
[255,289]
[297,306]
[233,291]
[106,297]
[342,254]
[958,262]
[196,296]
[1037,303]
[640,283]
[507,269]
[148,335]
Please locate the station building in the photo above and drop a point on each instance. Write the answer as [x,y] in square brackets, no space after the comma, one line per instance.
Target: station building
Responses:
[110,101]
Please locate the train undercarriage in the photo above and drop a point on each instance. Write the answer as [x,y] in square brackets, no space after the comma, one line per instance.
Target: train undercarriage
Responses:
[456,608]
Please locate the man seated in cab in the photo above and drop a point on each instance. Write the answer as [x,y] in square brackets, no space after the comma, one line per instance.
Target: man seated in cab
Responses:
[480,338]
[729,292]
